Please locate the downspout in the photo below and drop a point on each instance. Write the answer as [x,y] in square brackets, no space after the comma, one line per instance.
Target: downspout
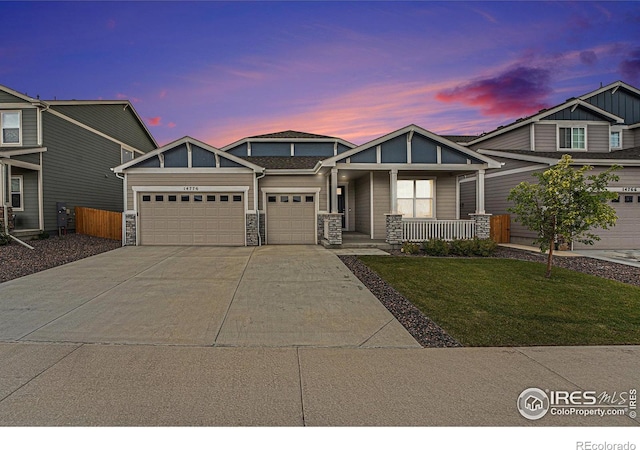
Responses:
[258,209]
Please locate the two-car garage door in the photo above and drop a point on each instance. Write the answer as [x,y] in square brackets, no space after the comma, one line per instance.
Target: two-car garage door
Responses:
[183,218]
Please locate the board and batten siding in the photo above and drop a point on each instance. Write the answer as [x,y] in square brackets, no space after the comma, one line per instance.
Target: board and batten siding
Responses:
[190,179]
[113,120]
[517,139]
[292,182]
[381,203]
[76,170]
[363,204]
[545,137]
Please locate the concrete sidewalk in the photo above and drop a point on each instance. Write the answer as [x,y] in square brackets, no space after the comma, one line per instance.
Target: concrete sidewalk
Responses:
[133,385]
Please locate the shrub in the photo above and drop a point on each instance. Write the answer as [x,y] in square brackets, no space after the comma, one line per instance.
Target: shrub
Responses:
[473,247]
[43,235]
[462,247]
[484,247]
[410,248]
[436,247]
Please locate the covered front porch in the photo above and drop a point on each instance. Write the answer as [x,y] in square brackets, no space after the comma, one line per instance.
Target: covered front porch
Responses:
[384,208]
[21,190]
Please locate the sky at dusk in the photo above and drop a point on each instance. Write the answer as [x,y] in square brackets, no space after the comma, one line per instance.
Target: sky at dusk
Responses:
[220,71]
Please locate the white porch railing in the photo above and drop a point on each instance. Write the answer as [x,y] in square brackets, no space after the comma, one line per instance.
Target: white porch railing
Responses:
[419,230]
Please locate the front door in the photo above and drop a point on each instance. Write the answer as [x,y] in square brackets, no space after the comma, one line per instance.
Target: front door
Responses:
[342,191]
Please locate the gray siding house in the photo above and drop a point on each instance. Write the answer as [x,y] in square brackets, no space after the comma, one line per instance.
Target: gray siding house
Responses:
[292,187]
[599,128]
[62,151]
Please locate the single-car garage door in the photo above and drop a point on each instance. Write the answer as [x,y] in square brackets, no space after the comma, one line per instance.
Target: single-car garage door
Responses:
[192,219]
[291,219]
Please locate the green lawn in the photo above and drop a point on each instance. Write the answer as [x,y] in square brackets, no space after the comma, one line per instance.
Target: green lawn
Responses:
[505,302]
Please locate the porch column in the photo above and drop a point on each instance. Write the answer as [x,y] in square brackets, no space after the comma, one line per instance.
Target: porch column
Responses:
[393,188]
[480,192]
[334,190]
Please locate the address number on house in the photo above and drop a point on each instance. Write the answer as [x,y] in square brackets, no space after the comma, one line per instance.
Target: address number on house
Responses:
[625,189]
[191,188]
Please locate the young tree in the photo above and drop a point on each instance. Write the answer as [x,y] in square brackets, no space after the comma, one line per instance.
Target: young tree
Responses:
[565,203]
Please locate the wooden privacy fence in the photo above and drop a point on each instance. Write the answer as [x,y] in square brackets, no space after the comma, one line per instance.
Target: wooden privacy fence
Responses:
[501,228]
[100,223]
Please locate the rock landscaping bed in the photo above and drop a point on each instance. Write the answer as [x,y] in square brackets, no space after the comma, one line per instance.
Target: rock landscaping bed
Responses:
[17,261]
[424,330]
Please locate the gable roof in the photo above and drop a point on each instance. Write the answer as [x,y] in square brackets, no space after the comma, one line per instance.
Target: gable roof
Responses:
[411,129]
[187,140]
[17,94]
[288,136]
[125,103]
[544,113]
[458,138]
[615,85]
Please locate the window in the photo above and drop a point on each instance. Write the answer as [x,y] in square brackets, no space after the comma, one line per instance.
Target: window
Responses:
[572,138]
[284,199]
[224,198]
[211,198]
[159,198]
[616,200]
[237,198]
[197,198]
[173,198]
[628,198]
[614,139]
[10,123]
[308,199]
[297,199]
[16,193]
[415,198]
[126,155]
[146,198]
[272,199]
[184,198]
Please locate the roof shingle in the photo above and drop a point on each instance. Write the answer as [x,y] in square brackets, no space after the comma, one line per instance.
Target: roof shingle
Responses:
[284,162]
[291,134]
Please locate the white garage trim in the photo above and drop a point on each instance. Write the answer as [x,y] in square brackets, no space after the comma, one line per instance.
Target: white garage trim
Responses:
[190,189]
[288,190]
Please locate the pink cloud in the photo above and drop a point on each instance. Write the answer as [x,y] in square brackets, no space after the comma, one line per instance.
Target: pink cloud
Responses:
[163,93]
[154,121]
[171,125]
[521,90]
[111,24]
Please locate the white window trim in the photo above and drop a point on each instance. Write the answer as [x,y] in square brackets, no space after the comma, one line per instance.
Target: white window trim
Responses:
[433,197]
[572,126]
[122,150]
[11,191]
[620,133]
[11,144]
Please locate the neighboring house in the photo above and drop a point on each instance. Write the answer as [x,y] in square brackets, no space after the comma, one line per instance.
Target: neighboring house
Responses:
[62,151]
[300,188]
[600,128]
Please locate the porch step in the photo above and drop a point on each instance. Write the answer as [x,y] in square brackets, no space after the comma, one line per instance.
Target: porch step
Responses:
[379,245]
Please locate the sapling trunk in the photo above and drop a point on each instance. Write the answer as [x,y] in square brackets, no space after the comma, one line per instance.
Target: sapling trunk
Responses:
[549,258]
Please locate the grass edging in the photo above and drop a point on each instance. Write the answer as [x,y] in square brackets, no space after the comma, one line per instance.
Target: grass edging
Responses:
[424,330]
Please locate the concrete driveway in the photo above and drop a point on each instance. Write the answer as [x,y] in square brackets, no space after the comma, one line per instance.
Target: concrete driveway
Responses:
[275,296]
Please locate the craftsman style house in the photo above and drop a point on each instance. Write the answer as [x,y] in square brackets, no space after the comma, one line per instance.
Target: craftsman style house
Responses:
[599,128]
[299,188]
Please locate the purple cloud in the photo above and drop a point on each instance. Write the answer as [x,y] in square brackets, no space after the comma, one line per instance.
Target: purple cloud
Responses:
[588,57]
[630,67]
[518,91]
